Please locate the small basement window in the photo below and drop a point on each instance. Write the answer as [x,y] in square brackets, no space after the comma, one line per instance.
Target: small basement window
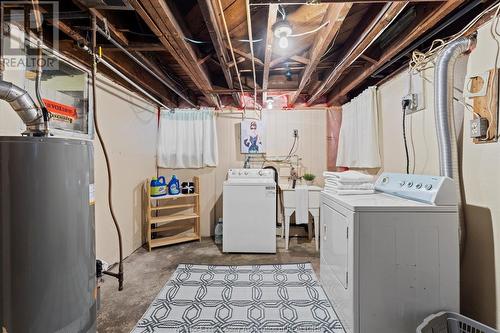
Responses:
[65,90]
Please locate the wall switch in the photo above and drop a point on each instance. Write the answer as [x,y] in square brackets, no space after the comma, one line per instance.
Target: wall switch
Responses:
[478,128]
[295,133]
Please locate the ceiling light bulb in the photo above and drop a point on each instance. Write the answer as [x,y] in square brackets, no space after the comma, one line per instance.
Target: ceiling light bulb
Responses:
[283,42]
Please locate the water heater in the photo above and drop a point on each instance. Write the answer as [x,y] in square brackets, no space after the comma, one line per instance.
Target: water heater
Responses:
[47,236]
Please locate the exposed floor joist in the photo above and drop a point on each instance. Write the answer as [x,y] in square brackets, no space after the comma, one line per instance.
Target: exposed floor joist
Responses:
[381,22]
[126,67]
[210,13]
[356,79]
[271,19]
[335,15]
[163,24]
[115,33]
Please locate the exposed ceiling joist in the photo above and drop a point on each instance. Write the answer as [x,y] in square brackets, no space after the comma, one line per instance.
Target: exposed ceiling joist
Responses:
[148,82]
[140,47]
[306,2]
[162,22]
[187,94]
[246,55]
[115,33]
[210,13]
[368,37]
[430,21]
[126,66]
[335,15]
[271,19]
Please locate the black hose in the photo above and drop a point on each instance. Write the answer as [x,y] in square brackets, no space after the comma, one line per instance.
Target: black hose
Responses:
[118,275]
[405,105]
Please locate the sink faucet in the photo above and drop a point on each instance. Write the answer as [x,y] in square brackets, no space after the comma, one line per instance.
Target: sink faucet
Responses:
[247,163]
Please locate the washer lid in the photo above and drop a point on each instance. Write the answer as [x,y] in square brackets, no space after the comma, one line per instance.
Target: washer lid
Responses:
[250,182]
[382,202]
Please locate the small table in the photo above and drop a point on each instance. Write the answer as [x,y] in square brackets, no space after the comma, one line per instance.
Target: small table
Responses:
[289,203]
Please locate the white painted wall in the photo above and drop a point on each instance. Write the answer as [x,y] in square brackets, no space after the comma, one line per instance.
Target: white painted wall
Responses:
[279,126]
[128,125]
[480,275]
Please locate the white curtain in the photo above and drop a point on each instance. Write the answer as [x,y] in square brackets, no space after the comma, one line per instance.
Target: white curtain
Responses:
[358,139]
[187,139]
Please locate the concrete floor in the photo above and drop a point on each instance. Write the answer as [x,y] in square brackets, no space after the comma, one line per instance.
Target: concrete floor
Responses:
[146,274]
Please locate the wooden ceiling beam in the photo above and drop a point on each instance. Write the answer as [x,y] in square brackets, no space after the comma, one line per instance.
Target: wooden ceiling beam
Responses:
[271,19]
[210,12]
[128,68]
[140,47]
[335,15]
[147,81]
[246,55]
[306,2]
[161,20]
[367,38]
[115,33]
[424,26]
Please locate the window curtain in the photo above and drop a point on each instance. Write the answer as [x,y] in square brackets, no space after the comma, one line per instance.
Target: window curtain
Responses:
[187,139]
[358,139]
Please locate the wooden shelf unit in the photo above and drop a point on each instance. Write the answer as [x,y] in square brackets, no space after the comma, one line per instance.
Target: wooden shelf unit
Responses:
[162,213]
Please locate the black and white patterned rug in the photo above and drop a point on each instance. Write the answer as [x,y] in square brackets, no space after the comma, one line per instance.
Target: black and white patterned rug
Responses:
[259,298]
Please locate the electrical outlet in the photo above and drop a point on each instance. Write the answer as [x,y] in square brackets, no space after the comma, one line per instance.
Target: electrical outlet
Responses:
[478,128]
[412,103]
[295,133]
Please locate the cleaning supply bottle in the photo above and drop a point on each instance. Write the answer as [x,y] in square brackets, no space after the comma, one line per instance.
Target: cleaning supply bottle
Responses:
[158,186]
[218,232]
[173,186]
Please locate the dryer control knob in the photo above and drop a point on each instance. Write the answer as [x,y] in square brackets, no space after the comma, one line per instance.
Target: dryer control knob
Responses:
[428,187]
[261,173]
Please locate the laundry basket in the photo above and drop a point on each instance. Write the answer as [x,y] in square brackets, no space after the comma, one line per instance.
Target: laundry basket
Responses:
[450,322]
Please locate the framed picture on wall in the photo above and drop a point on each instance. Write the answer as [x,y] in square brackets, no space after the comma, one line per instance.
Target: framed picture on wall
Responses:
[252,137]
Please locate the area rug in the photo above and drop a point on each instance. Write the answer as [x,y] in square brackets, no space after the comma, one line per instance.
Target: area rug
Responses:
[259,298]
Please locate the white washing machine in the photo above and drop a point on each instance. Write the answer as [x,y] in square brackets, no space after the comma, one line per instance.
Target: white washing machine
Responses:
[249,201]
[391,258]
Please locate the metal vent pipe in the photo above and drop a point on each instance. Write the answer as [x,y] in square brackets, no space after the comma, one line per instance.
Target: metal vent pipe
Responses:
[449,164]
[24,105]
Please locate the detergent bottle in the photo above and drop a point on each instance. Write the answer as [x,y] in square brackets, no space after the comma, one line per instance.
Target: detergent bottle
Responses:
[218,232]
[158,186]
[173,186]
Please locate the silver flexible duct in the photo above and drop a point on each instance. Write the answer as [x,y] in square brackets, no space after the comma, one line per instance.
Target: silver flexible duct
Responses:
[449,164]
[24,105]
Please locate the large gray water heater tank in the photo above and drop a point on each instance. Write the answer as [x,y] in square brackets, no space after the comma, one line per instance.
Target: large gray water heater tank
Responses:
[47,237]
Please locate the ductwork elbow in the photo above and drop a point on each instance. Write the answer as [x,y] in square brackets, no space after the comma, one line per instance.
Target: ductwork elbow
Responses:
[24,106]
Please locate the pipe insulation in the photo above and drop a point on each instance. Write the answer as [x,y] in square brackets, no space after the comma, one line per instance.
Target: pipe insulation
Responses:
[23,104]
[449,164]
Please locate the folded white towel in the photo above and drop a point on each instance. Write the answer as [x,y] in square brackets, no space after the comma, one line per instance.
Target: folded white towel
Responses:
[348,186]
[301,204]
[349,192]
[349,176]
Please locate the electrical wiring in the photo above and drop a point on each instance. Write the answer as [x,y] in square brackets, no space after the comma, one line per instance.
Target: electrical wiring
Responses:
[423,60]
[466,105]
[405,105]
[311,31]
[282,12]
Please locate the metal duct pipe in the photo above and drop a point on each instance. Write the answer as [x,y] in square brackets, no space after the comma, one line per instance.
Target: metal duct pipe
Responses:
[449,164]
[24,105]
